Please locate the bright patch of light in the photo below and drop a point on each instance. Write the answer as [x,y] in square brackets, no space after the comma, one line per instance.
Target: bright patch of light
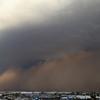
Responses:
[15,12]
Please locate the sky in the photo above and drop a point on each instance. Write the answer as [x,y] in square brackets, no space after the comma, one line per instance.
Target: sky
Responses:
[49,45]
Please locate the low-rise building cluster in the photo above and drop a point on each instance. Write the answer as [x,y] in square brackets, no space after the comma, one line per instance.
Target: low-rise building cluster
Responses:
[49,96]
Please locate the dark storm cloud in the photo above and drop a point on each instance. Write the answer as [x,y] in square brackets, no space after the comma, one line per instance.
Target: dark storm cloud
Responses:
[73,28]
